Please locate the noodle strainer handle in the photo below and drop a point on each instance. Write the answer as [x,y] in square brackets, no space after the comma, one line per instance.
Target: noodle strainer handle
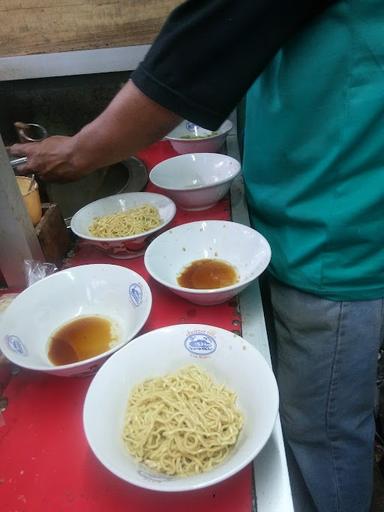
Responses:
[18,161]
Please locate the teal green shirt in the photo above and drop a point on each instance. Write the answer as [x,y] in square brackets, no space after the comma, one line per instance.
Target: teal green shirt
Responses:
[314,154]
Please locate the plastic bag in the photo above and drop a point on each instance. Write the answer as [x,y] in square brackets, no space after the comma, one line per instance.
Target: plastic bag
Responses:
[36,270]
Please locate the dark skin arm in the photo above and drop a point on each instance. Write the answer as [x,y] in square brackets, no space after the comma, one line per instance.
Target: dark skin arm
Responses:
[136,118]
[108,139]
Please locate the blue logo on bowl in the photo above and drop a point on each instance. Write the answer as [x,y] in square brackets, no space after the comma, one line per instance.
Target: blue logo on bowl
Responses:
[190,126]
[200,344]
[16,345]
[136,293]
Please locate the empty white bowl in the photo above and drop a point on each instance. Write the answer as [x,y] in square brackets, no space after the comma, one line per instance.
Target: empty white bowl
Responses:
[126,246]
[246,250]
[115,293]
[229,360]
[188,137]
[195,181]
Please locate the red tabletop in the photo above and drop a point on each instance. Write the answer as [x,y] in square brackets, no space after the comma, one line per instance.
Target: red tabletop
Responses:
[46,464]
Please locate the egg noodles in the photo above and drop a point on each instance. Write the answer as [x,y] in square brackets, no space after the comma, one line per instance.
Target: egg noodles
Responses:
[131,222]
[181,424]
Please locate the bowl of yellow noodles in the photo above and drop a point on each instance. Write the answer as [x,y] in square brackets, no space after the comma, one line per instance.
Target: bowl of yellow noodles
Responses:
[184,407]
[122,225]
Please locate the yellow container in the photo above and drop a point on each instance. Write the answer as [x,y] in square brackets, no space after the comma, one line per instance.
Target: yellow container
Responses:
[31,197]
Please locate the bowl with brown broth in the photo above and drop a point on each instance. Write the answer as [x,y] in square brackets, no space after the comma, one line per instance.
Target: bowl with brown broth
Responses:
[207,262]
[73,320]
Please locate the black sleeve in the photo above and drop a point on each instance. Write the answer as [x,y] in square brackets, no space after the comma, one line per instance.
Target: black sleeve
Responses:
[209,52]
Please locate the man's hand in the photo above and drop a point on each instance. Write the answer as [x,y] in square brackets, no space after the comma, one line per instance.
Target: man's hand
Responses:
[53,159]
[131,122]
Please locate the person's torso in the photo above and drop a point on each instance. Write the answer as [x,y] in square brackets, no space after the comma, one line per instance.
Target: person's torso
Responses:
[314,154]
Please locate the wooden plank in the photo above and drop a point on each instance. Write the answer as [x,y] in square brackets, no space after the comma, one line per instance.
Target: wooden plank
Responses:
[45,26]
[18,240]
[53,234]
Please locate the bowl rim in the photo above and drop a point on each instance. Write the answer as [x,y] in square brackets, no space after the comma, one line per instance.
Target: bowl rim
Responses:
[225,127]
[57,368]
[209,482]
[210,291]
[155,170]
[145,234]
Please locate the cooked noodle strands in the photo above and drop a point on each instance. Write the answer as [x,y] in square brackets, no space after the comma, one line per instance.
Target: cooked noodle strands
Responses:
[131,222]
[182,423]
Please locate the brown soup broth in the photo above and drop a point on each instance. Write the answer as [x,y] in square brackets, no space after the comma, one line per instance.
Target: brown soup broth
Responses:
[80,339]
[207,274]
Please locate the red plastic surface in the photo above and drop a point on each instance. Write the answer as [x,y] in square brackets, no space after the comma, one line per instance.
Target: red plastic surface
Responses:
[46,464]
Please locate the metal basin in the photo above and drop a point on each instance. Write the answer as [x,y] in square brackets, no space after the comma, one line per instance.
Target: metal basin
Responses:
[130,175]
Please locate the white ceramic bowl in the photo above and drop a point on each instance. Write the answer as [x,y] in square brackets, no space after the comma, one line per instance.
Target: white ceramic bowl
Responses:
[195,181]
[127,246]
[240,246]
[228,358]
[109,291]
[187,137]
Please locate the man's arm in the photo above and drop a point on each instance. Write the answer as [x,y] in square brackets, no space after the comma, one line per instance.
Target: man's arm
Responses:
[205,58]
[131,122]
